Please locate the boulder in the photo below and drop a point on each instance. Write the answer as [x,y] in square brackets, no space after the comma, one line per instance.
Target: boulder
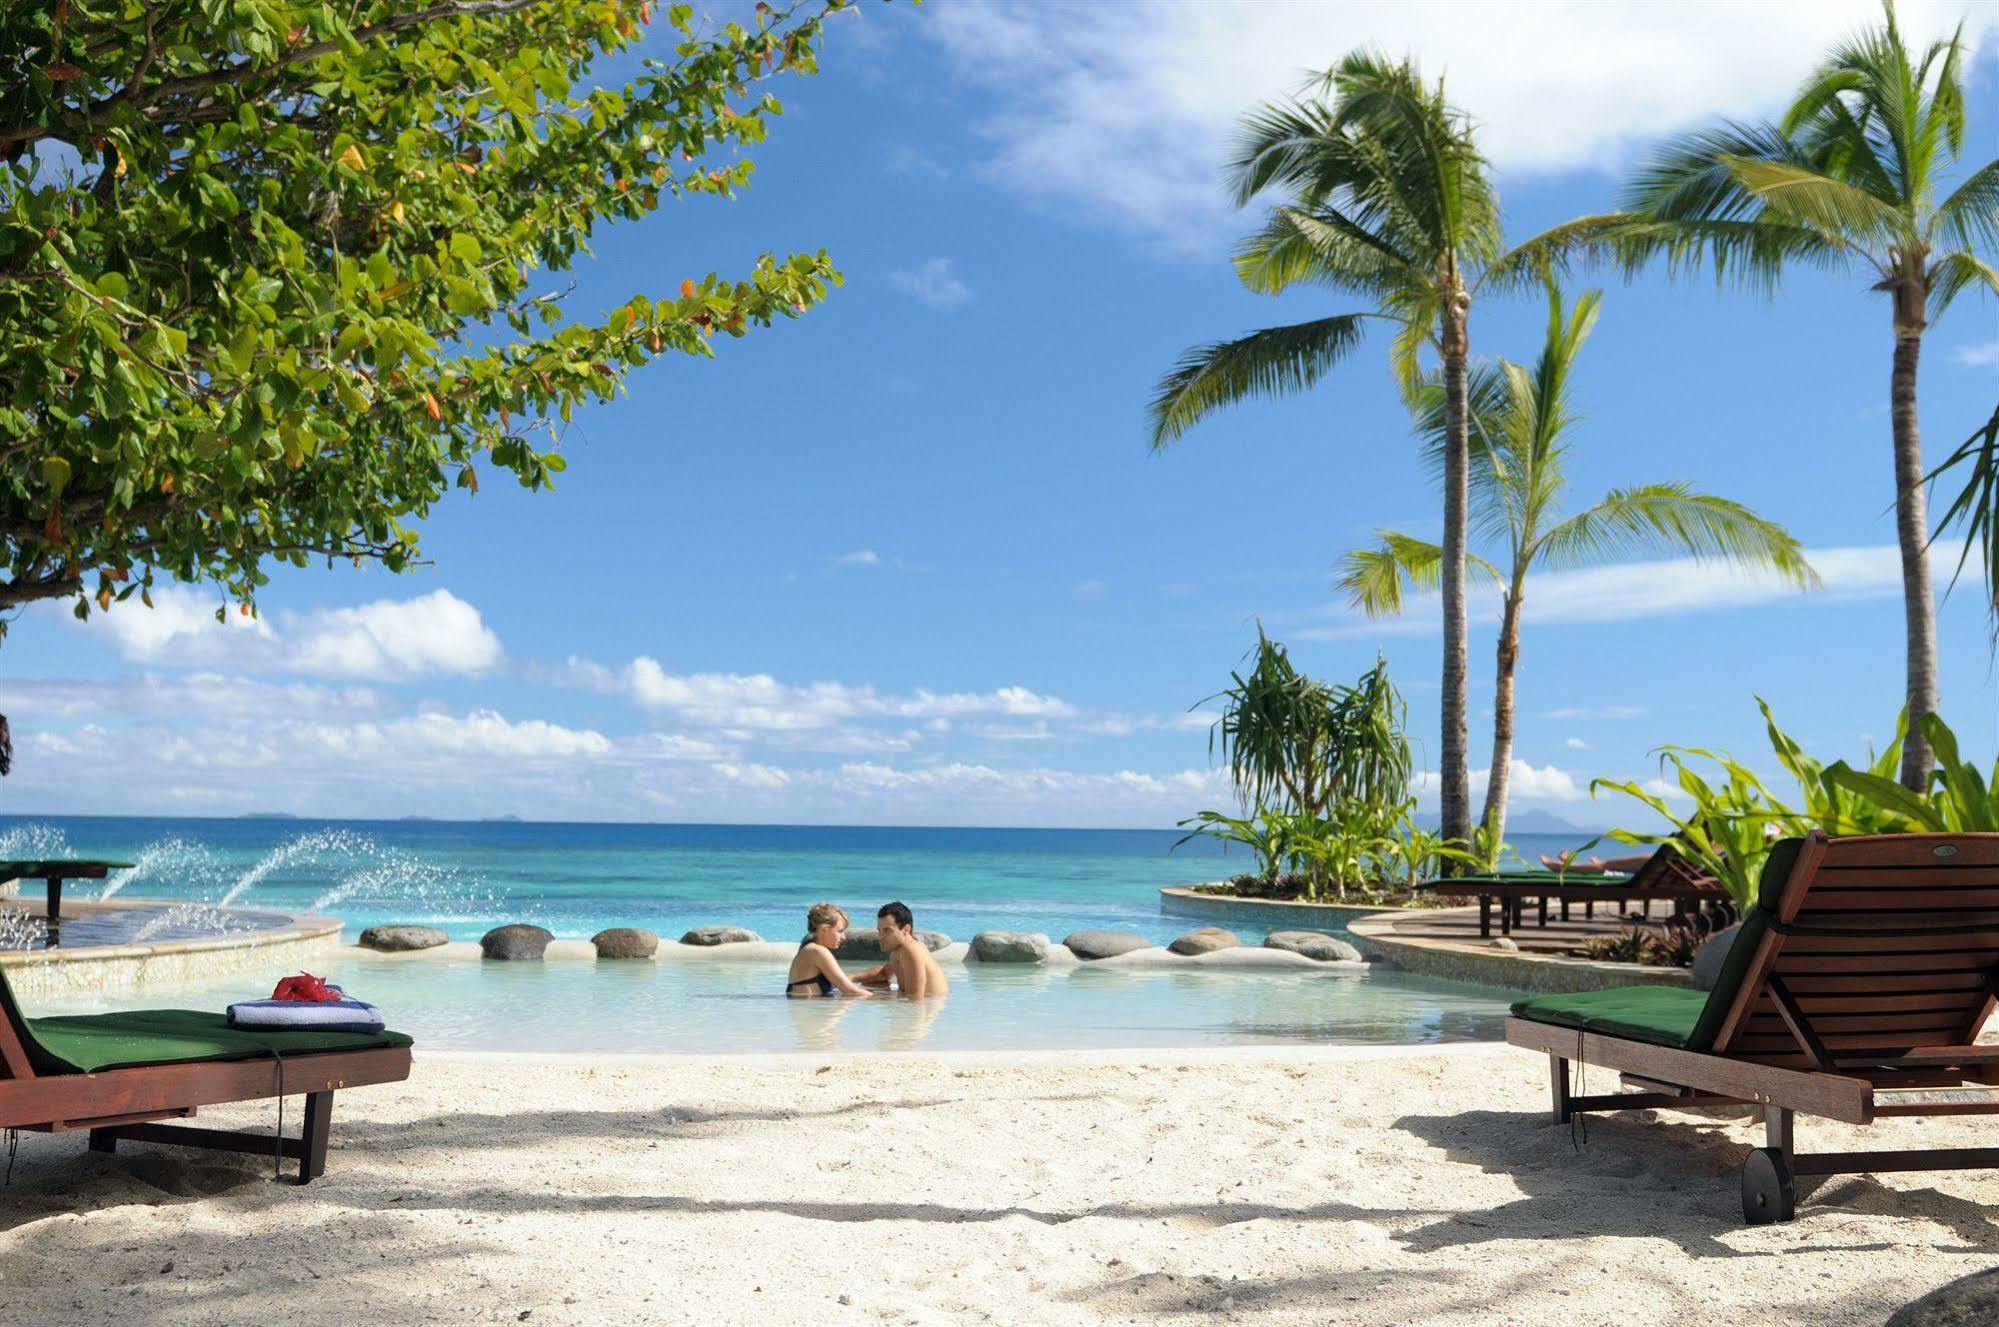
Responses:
[709,936]
[515,942]
[625,942]
[1205,941]
[866,946]
[1315,945]
[400,939]
[1010,947]
[1708,959]
[1089,945]
[1506,944]
[1970,1301]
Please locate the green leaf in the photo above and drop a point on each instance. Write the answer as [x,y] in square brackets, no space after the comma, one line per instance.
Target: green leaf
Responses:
[465,248]
[113,285]
[55,473]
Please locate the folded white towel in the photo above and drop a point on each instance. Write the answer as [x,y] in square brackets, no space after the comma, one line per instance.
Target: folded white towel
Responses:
[338,1016]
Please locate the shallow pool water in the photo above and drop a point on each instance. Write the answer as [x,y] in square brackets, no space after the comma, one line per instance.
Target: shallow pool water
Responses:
[720,1006]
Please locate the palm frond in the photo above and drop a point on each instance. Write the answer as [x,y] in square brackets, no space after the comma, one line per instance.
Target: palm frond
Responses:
[1843,213]
[1277,361]
[1956,273]
[1975,511]
[1377,579]
[1969,218]
[1690,179]
[1674,517]
[1325,247]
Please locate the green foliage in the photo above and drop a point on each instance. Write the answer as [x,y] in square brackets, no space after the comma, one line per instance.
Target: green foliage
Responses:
[1735,815]
[1975,510]
[1326,769]
[1297,744]
[1416,855]
[274,274]
[1386,198]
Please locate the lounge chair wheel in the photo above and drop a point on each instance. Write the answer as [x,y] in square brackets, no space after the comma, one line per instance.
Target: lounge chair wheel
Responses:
[1769,1193]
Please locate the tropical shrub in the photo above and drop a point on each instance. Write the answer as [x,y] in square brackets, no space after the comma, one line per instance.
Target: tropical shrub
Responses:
[1735,816]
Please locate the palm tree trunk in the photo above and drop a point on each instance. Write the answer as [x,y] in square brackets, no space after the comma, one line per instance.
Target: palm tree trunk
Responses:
[1502,714]
[1455,775]
[1912,530]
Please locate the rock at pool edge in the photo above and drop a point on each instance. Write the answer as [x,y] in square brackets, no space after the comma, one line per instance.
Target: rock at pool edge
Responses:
[1010,947]
[1313,945]
[1088,945]
[1205,941]
[866,946]
[515,942]
[401,939]
[625,942]
[709,936]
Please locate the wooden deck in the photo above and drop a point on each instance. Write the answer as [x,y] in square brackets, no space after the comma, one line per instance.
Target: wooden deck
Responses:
[1557,937]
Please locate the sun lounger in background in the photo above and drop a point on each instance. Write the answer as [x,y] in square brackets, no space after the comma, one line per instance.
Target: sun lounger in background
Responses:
[1864,970]
[116,1074]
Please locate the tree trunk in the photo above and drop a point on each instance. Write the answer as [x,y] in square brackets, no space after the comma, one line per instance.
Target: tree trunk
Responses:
[1912,530]
[1502,714]
[1455,775]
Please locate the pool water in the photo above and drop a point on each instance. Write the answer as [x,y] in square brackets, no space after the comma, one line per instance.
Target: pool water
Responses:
[736,1005]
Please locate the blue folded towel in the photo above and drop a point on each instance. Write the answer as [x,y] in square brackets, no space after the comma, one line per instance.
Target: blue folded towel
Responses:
[342,1015]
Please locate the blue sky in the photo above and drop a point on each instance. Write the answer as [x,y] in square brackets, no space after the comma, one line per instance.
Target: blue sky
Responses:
[907,560]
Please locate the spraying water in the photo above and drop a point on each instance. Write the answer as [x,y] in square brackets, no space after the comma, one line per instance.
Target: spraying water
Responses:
[169,858]
[34,842]
[308,849]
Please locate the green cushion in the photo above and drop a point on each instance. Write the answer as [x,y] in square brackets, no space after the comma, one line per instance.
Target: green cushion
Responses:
[85,1043]
[1663,1015]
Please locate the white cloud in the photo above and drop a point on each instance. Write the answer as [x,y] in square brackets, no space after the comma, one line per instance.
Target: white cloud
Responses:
[933,282]
[860,557]
[759,703]
[167,696]
[906,160]
[1122,113]
[1984,355]
[1596,712]
[1091,589]
[386,639]
[1524,782]
[1575,744]
[1634,590]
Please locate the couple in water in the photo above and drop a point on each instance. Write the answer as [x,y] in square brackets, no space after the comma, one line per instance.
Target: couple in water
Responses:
[815,970]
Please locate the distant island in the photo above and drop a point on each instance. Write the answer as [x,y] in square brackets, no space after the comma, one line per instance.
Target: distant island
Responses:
[267,815]
[508,819]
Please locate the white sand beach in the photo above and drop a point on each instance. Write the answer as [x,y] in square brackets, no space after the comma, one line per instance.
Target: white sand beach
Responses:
[1320,1186]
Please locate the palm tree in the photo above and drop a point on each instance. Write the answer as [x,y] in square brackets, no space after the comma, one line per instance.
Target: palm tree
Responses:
[1522,430]
[1386,199]
[1846,180]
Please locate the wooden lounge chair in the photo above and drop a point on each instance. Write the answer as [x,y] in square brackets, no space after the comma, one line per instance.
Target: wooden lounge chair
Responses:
[1865,968]
[115,1074]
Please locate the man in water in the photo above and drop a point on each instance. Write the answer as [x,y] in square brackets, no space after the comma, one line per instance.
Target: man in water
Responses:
[909,964]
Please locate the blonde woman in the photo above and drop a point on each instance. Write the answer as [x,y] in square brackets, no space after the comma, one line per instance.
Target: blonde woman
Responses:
[814,969]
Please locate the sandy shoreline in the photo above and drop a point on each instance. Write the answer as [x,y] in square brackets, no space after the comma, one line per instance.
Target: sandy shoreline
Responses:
[1372,1185]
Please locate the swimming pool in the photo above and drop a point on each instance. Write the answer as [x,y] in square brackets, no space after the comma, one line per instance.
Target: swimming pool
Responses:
[734,1005]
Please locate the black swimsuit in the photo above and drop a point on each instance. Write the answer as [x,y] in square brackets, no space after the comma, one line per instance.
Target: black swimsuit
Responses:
[823,982]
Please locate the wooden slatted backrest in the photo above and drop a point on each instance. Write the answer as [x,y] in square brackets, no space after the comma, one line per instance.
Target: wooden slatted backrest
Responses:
[1878,946]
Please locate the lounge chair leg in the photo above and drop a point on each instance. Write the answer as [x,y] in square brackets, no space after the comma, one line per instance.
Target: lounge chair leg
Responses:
[1484,917]
[1777,1130]
[1558,1079]
[103,1140]
[1589,910]
[312,1141]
